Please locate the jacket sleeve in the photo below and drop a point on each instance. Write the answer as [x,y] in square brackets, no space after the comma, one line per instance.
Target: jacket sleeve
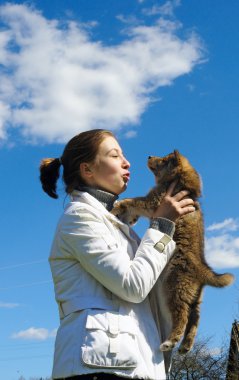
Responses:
[91,243]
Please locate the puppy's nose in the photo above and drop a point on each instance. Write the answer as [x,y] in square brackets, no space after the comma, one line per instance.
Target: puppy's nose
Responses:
[149,157]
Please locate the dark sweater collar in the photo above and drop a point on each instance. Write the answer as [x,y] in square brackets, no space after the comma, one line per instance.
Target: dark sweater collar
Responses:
[105,198]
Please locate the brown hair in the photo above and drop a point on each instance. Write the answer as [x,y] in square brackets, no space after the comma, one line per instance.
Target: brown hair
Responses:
[81,148]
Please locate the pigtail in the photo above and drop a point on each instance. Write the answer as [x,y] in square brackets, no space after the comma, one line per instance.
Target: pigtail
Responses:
[81,148]
[49,174]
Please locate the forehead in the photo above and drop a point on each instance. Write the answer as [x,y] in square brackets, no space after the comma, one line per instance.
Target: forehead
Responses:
[169,157]
[108,144]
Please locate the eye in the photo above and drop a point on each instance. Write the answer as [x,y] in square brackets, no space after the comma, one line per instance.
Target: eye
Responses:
[172,163]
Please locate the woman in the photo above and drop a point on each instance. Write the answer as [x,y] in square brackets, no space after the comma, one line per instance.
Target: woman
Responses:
[102,273]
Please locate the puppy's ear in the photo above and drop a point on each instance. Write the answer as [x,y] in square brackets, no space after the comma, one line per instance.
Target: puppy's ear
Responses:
[189,176]
[177,155]
[173,160]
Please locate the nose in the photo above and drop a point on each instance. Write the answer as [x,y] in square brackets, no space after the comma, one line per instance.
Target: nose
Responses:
[126,163]
[149,157]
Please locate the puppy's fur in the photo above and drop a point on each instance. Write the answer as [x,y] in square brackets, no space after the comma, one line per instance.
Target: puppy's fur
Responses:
[181,283]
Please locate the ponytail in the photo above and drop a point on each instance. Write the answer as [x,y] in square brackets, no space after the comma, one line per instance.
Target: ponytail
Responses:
[49,174]
[81,148]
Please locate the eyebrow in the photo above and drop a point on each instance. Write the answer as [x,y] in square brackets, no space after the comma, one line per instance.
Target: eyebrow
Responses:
[117,150]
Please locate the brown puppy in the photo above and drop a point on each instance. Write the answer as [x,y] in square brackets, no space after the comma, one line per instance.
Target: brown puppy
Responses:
[179,288]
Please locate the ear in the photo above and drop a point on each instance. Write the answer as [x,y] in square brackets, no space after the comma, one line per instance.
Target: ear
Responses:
[85,170]
[177,155]
[190,177]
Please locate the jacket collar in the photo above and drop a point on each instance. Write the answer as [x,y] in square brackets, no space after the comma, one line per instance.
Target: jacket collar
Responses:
[107,199]
[85,197]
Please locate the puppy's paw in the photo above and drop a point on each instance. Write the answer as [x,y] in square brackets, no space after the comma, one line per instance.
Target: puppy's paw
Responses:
[184,348]
[125,211]
[119,209]
[133,219]
[168,345]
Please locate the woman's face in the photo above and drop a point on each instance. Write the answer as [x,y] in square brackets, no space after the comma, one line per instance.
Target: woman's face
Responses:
[110,170]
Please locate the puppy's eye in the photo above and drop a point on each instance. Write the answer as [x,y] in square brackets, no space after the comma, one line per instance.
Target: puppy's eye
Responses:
[171,165]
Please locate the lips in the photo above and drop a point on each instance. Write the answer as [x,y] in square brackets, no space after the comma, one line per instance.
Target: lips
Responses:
[126,177]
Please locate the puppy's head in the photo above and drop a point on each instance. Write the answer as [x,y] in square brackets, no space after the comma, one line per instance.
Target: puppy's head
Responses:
[164,168]
[173,167]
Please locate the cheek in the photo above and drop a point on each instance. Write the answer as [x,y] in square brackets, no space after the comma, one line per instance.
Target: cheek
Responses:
[108,171]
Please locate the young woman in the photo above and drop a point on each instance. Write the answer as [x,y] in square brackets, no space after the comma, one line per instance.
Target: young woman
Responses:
[102,274]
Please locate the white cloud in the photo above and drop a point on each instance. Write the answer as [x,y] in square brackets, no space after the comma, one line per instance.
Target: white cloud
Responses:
[167,9]
[222,244]
[222,251]
[34,333]
[229,224]
[8,305]
[216,351]
[128,19]
[4,117]
[191,87]
[130,134]
[57,80]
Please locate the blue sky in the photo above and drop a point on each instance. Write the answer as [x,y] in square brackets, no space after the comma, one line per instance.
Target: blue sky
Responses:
[160,74]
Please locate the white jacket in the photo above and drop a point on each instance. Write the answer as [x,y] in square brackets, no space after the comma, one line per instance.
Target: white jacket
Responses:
[102,278]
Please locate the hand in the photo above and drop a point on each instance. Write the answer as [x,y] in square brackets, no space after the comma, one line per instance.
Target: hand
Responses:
[172,207]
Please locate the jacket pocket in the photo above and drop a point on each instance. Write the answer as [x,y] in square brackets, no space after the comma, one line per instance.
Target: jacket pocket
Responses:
[110,341]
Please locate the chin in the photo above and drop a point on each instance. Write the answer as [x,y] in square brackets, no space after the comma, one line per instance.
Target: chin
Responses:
[122,189]
[119,188]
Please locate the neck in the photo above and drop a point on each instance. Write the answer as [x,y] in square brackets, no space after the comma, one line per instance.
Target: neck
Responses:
[105,198]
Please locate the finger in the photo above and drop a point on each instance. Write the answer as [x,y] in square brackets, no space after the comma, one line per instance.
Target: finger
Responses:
[186,202]
[180,195]
[191,208]
[187,210]
[171,188]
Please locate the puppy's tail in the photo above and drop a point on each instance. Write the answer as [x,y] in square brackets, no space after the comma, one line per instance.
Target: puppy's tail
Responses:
[218,280]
